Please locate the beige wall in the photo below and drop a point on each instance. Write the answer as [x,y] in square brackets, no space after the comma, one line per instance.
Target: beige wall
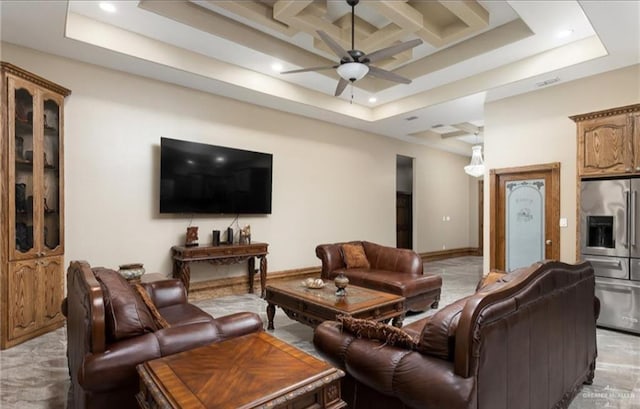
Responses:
[534,128]
[330,183]
[442,189]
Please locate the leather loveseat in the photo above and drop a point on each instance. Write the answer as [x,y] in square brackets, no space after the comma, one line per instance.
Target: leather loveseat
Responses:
[387,269]
[110,330]
[525,341]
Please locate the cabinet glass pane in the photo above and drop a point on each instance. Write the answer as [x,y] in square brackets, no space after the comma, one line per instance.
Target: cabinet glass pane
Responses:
[51,179]
[24,171]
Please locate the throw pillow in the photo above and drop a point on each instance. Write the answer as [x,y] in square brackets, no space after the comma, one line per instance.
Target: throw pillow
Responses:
[490,278]
[496,279]
[354,256]
[388,334]
[157,318]
[438,336]
[126,314]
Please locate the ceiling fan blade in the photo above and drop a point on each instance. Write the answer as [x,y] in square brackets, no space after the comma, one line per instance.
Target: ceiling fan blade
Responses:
[342,84]
[387,75]
[335,47]
[328,67]
[392,50]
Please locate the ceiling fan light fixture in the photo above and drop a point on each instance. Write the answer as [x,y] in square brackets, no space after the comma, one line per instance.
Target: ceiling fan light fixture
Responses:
[476,167]
[353,71]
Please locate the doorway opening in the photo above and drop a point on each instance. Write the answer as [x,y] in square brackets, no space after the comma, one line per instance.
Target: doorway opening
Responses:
[404,202]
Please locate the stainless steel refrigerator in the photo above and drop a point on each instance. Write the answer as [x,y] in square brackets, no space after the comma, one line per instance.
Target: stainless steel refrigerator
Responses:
[610,240]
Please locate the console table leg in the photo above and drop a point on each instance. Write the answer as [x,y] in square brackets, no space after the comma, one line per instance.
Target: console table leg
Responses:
[271,312]
[182,271]
[263,274]
[251,266]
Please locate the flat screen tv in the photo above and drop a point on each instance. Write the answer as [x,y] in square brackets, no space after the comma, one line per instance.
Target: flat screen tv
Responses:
[201,178]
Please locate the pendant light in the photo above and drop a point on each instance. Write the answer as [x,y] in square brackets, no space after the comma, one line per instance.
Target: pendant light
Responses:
[476,167]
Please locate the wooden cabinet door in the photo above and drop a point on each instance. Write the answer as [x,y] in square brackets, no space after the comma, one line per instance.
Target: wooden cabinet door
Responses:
[51,216]
[605,146]
[22,299]
[23,176]
[51,289]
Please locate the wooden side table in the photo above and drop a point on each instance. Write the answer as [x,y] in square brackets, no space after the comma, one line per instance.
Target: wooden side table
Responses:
[151,277]
[224,254]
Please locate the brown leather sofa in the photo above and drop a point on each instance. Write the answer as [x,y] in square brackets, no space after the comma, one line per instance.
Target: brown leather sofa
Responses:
[110,330]
[526,341]
[392,270]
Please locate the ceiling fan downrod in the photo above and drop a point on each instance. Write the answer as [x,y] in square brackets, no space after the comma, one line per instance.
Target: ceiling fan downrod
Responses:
[353,4]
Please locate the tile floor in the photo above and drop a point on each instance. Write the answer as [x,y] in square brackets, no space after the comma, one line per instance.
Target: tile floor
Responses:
[34,375]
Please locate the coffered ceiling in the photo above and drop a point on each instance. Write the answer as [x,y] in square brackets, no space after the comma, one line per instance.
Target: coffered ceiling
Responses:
[471,52]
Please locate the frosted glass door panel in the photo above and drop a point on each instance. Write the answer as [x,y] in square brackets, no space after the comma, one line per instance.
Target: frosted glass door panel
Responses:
[525,235]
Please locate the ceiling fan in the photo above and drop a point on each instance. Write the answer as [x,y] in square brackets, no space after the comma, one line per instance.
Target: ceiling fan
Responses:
[354,64]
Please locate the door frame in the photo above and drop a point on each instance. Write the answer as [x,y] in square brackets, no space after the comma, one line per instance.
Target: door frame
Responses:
[480,251]
[553,192]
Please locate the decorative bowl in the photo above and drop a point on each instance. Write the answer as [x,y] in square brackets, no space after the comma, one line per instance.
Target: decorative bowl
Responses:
[131,271]
[313,283]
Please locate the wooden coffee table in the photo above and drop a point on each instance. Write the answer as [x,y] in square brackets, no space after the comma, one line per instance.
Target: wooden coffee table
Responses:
[313,306]
[252,371]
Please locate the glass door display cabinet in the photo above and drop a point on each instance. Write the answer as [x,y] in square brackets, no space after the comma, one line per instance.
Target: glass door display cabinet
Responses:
[32,281]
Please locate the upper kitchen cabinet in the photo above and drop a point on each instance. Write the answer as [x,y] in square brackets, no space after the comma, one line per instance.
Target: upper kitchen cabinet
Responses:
[32,239]
[609,142]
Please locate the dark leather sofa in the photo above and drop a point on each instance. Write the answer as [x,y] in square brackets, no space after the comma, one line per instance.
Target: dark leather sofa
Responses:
[526,341]
[392,270]
[110,331]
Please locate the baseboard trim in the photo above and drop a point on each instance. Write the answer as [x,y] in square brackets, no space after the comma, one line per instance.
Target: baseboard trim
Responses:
[451,253]
[240,285]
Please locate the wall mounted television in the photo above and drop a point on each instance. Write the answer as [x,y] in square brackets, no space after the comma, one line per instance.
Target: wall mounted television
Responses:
[201,178]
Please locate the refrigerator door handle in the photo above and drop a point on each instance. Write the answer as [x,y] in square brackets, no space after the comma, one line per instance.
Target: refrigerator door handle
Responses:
[625,243]
[634,199]
[604,263]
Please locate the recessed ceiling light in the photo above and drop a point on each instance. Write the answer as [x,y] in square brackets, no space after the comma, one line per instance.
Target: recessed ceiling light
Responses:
[564,33]
[276,67]
[108,7]
[373,99]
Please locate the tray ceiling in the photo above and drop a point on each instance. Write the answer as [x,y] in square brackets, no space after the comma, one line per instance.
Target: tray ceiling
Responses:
[472,52]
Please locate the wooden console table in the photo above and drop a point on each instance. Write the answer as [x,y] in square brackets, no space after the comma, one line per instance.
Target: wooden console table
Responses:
[224,254]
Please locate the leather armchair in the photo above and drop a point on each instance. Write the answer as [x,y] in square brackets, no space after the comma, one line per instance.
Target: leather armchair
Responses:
[392,270]
[526,341]
[102,360]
